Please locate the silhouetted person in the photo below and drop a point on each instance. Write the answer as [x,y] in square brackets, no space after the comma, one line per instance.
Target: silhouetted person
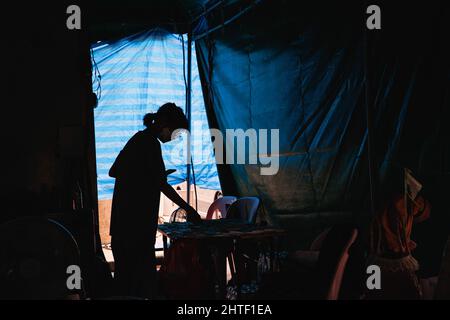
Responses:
[140,177]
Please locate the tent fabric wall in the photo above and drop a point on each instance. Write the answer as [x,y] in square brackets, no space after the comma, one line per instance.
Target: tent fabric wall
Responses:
[302,72]
[137,75]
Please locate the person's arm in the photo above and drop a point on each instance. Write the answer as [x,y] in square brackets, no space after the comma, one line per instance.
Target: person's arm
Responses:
[169,192]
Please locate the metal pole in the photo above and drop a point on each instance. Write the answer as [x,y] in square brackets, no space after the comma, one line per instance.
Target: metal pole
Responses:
[207,11]
[188,113]
[232,19]
[369,121]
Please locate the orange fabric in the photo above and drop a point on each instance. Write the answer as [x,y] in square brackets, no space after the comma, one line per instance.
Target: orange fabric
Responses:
[392,228]
[186,272]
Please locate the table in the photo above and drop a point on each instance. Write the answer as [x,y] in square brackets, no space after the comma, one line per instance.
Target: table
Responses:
[221,237]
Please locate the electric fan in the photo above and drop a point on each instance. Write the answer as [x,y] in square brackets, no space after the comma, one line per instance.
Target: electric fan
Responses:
[35,256]
[179,215]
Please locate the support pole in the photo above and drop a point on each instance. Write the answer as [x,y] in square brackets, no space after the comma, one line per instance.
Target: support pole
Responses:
[188,114]
[369,121]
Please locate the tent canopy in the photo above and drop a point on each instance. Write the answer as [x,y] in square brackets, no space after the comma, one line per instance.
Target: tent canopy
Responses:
[313,71]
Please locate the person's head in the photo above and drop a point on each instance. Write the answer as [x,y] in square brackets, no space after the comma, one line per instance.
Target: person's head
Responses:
[166,120]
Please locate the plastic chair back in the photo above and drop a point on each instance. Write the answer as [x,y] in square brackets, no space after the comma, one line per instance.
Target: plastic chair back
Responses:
[220,206]
[244,208]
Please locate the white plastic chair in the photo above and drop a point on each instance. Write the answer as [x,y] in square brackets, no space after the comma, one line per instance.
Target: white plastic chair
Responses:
[336,282]
[220,206]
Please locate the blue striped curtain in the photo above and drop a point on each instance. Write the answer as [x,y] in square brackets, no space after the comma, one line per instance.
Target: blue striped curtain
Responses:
[137,75]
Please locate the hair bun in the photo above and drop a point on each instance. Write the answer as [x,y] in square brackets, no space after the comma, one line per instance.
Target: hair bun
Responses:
[149,118]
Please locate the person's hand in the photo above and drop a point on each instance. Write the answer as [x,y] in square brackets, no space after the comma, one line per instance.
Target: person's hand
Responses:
[193,216]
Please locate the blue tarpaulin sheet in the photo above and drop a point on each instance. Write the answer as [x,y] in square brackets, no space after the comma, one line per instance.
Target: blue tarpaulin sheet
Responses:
[302,75]
[137,75]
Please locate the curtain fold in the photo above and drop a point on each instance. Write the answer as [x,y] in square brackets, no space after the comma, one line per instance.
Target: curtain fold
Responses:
[303,73]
